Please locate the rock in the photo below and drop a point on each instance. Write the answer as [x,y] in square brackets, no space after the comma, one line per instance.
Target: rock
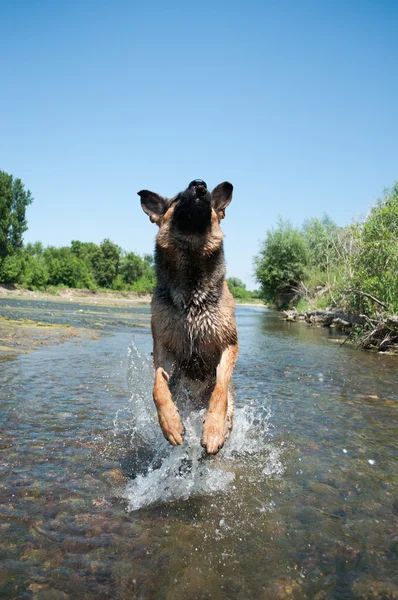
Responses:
[115,476]
[323,490]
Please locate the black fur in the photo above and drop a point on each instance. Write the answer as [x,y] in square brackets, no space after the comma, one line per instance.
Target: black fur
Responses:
[192,213]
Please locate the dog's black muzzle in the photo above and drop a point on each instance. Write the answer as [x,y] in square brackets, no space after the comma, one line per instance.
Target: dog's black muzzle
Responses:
[192,213]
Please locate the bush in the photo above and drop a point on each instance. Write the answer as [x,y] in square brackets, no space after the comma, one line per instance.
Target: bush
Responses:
[35,274]
[11,269]
[355,266]
[374,263]
[321,238]
[238,288]
[145,285]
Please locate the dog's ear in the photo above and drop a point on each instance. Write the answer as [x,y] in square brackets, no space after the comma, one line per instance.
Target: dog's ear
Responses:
[153,204]
[221,196]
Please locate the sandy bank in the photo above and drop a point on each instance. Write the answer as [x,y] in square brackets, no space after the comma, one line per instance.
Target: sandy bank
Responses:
[101,297]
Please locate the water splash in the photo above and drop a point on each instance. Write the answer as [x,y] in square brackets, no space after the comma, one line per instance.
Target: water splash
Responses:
[164,473]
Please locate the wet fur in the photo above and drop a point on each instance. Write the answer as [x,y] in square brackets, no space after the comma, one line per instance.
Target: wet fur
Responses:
[193,324]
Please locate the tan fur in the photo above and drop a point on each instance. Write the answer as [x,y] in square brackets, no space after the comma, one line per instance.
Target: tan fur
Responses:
[192,332]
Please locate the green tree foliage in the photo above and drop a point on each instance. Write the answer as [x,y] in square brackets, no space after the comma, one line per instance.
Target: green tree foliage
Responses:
[136,273]
[11,269]
[282,263]
[321,238]
[355,265]
[105,263]
[238,288]
[80,265]
[35,249]
[14,200]
[65,268]
[35,273]
[132,267]
[374,262]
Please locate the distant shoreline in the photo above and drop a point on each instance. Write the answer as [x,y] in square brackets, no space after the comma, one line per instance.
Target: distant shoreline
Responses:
[244,303]
[100,297]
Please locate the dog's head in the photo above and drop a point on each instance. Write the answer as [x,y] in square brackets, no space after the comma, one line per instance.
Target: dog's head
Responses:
[191,213]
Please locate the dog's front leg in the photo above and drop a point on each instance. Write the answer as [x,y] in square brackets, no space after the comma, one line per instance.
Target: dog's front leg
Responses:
[169,419]
[215,425]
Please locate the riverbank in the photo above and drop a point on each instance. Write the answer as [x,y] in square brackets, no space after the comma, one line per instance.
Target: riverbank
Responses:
[248,303]
[380,334]
[96,297]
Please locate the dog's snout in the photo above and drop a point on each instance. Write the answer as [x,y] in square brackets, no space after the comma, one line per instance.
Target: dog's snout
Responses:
[199,186]
[192,212]
[197,182]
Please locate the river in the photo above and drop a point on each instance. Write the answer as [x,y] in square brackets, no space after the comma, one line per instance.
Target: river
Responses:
[302,502]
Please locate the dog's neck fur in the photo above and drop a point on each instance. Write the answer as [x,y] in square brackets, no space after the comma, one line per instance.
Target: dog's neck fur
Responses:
[191,281]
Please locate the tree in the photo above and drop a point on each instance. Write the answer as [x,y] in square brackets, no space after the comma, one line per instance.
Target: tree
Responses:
[11,269]
[321,237]
[105,261]
[13,203]
[66,268]
[237,288]
[35,249]
[281,264]
[374,264]
[132,267]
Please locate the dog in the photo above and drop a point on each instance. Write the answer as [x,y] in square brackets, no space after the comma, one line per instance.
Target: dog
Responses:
[195,342]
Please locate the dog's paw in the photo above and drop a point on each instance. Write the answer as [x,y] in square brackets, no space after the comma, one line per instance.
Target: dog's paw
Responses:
[213,435]
[171,424]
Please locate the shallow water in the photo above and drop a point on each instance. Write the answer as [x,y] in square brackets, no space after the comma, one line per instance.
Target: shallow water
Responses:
[302,502]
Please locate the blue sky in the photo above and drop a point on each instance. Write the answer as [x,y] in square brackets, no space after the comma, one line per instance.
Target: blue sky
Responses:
[294,102]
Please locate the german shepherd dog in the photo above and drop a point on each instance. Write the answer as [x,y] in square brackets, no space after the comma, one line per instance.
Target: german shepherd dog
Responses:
[193,312]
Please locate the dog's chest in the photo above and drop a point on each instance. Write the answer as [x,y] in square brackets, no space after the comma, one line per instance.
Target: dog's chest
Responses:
[197,318]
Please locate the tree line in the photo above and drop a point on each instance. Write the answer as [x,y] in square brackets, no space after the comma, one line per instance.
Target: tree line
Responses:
[82,265]
[354,267]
